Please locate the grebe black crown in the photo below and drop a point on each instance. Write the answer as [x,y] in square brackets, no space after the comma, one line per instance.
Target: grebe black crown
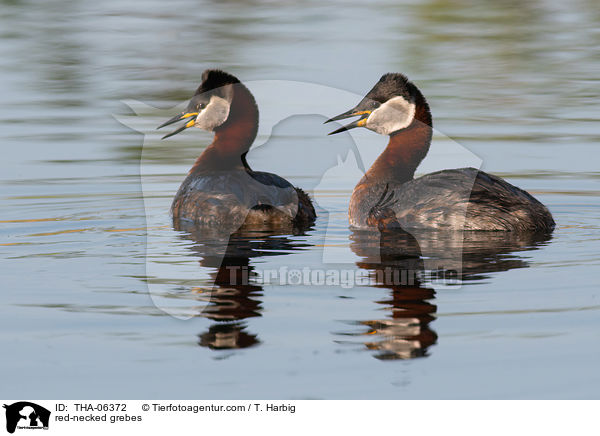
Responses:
[214,79]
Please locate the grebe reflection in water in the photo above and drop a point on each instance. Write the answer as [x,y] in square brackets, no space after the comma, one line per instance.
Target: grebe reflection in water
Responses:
[232,297]
[395,262]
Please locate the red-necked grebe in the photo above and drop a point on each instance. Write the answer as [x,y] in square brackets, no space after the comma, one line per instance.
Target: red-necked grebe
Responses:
[221,190]
[389,197]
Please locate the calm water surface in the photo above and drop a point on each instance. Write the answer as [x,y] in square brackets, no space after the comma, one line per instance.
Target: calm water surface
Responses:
[101,297]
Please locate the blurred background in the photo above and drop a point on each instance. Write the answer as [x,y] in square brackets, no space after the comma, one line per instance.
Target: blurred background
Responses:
[516,83]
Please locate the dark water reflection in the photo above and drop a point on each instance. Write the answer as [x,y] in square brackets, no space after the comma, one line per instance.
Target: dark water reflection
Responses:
[395,263]
[394,260]
[234,296]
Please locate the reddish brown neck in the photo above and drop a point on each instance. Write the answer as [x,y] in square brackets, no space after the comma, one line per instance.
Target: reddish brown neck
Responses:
[232,139]
[405,150]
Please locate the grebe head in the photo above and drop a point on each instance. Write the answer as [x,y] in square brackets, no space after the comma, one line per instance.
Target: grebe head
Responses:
[209,107]
[391,106]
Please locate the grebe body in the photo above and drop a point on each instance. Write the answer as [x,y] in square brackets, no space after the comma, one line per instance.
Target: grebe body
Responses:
[388,196]
[221,190]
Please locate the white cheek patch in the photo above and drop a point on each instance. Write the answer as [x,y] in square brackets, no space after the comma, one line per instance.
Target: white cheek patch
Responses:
[393,115]
[214,114]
